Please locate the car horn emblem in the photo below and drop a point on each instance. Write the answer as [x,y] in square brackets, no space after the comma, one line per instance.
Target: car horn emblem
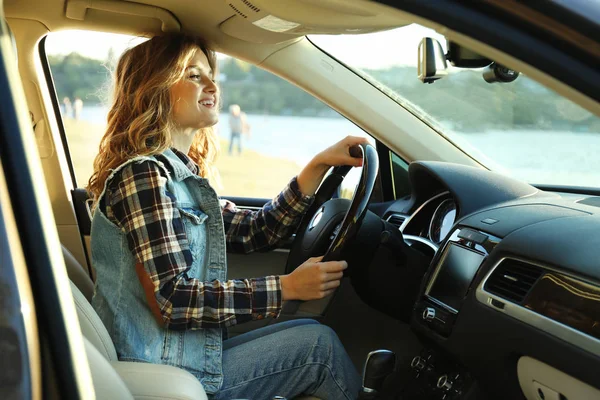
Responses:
[316,219]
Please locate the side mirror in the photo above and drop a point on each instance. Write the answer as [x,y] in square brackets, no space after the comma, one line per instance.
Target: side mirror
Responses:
[432,61]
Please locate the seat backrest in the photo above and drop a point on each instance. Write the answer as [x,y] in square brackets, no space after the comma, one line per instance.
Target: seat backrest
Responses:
[120,380]
[78,275]
[92,327]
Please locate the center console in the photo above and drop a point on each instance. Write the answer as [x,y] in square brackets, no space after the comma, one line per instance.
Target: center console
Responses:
[433,373]
[448,283]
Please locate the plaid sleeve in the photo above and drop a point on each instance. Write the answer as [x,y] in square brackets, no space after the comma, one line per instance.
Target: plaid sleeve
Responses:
[144,209]
[247,231]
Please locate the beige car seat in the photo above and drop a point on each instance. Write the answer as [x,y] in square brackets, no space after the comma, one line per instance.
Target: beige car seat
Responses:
[114,379]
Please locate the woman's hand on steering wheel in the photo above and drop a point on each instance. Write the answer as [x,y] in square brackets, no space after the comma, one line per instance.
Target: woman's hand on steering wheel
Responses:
[312,280]
[338,154]
[329,226]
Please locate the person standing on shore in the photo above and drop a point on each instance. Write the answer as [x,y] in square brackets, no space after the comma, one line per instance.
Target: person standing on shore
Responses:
[238,126]
[67,107]
[77,107]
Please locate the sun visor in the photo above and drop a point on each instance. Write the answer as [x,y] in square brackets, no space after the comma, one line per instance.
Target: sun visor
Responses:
[102,10]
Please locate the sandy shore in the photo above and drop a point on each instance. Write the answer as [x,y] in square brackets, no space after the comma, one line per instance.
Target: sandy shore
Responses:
[249,175]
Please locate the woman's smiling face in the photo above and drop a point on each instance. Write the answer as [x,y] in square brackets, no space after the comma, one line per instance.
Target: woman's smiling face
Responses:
[195,96]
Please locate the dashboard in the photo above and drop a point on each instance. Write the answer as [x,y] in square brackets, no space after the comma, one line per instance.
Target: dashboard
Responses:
[511,297]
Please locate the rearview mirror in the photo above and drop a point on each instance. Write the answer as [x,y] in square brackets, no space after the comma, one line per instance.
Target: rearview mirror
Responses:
[462,57]
[432,61]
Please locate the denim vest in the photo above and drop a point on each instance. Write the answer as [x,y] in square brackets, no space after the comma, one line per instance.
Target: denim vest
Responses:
[120,300]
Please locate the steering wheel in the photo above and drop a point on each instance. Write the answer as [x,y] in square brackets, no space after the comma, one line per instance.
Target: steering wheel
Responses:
[330,224]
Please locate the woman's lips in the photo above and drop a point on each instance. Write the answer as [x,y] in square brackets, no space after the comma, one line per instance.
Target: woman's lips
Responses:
[207,103]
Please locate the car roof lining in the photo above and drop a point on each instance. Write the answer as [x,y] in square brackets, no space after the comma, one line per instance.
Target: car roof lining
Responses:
[215,20]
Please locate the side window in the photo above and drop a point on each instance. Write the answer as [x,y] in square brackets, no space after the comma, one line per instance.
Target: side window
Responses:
[399,176]
[81,63]
[281,128]
[269,129]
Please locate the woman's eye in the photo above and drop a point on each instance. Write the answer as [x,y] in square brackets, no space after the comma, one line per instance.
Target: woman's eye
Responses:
[195,76]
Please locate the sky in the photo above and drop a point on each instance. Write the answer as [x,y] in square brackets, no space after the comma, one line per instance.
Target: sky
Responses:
[376,50]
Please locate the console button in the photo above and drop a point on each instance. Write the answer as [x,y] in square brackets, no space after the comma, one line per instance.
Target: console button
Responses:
[444,383]
[418,363]
[429,314]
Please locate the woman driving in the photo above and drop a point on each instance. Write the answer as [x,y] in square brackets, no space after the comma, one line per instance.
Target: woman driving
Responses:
[160,235]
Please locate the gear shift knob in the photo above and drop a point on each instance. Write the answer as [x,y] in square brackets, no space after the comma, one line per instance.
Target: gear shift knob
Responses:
[379,364]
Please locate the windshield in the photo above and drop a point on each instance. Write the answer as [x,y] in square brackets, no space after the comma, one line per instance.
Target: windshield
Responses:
[520,128]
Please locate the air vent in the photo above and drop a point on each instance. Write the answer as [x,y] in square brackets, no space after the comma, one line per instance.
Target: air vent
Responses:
[234,8]
[251,6]
[396,219]
[512,280]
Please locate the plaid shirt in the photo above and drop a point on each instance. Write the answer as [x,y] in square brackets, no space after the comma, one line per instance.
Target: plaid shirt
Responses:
[139,203]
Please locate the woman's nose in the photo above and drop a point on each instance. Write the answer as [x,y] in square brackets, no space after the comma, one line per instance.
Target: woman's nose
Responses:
[210,87]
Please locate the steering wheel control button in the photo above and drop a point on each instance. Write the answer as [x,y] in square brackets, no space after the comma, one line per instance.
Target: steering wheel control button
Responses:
[316,219]
[472,236]
[429,314]
[489,221]
[335,231]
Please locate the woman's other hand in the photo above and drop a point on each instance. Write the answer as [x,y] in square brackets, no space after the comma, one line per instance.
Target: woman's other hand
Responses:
[312,280]
[338,154]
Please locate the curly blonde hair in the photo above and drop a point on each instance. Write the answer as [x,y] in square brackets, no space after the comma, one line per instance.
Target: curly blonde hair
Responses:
[140,117]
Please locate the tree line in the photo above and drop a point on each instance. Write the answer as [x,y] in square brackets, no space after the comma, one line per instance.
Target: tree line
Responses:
[461,101]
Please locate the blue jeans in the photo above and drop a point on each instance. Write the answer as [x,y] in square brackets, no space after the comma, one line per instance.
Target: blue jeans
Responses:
[287,359]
